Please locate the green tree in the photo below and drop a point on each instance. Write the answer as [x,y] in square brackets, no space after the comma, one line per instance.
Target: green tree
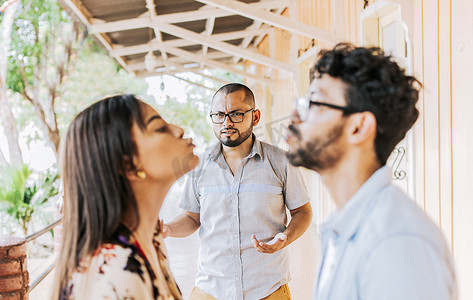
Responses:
[6,116]
[93,76]
[191,115]
[44,40]
[22,196]
[58,70]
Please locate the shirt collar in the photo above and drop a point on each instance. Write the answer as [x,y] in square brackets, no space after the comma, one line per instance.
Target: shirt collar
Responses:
[215,151]
[345,223]
[256,149]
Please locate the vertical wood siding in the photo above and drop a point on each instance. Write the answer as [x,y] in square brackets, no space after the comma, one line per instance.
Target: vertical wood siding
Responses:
[441,32]
[462,140]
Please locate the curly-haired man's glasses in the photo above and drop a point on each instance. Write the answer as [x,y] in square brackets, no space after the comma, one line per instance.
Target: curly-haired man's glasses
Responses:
[303,104]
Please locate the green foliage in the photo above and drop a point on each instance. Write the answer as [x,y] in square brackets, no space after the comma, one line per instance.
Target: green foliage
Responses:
[227,76]
[92,76]
[31,30]
[191,115]
[21,196]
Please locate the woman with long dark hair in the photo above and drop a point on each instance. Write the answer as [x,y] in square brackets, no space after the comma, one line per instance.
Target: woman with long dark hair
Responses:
[118,161]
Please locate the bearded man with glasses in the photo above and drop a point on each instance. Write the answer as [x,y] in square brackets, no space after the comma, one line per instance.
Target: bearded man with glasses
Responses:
[378,244]
[238,196]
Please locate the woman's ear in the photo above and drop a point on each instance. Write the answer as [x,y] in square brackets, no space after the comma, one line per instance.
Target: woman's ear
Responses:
[362,127]
[132,172]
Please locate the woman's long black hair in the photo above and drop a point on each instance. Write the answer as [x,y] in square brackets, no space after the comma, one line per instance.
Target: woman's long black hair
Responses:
[97,151]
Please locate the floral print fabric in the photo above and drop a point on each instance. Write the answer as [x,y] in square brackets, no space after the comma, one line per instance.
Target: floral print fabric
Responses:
[120,270]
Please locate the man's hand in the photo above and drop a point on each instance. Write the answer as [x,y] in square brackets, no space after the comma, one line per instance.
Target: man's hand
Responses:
[166,229]
[278,242]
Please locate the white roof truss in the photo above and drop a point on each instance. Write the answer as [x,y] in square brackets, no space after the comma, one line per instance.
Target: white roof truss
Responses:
[265,14]
[273,19]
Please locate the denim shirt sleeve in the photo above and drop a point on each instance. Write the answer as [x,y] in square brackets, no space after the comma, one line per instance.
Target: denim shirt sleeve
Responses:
[405,267]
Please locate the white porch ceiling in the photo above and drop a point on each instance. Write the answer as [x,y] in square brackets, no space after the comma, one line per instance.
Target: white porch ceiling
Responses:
[183,34]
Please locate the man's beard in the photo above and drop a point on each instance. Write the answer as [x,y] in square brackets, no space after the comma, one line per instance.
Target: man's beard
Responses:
[319,153]
[241,137]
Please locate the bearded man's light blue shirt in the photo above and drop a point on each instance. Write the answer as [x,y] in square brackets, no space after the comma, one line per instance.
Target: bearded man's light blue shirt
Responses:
[381,245]
[232,208]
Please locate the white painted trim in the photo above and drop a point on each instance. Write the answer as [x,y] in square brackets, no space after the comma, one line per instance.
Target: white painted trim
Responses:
[304,56]
[178,17]
[224,47]
[215,64]
[122,51]
[247,39]
[209,27]
[194,83]
[273,19]
[137,64]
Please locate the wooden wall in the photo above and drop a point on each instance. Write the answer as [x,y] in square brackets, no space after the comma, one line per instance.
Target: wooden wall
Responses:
[443,50]
[441,32]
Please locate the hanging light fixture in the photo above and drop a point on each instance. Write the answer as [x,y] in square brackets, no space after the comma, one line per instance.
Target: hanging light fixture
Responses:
[150,58]
[150,61]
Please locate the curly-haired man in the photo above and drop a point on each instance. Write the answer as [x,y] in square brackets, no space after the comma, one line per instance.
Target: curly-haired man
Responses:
[377,244]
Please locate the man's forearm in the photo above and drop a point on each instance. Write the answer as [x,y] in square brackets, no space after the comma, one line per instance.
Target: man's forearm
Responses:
[300,221]
[184,225]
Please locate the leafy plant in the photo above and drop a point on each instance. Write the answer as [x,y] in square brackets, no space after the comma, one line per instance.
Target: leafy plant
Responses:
[22,195]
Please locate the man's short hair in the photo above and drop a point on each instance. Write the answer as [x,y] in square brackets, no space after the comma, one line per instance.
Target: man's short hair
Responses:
[235,87]
[375,83]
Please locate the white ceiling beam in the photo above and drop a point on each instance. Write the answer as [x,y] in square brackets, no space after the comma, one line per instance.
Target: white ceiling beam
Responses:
[212,63]
[152,15]
[141,22]
[122,25]
[145,73]
[161,72]
[137,64]
[209,27]
[173,74]
[224,47]
[151,8]
[198,71]
[177,68]
[122,51]
[273,19]
[258,40]
[159,39]
[194,83]
[247,40]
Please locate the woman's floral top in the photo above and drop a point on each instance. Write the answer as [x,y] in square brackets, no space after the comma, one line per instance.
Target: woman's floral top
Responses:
[119,270]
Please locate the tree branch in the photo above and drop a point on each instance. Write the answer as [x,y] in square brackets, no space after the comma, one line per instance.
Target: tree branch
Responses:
[3,160]
[26,85]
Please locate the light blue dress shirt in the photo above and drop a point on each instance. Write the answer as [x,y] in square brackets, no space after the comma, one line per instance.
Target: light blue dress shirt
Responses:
[384,247]
[232,207]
